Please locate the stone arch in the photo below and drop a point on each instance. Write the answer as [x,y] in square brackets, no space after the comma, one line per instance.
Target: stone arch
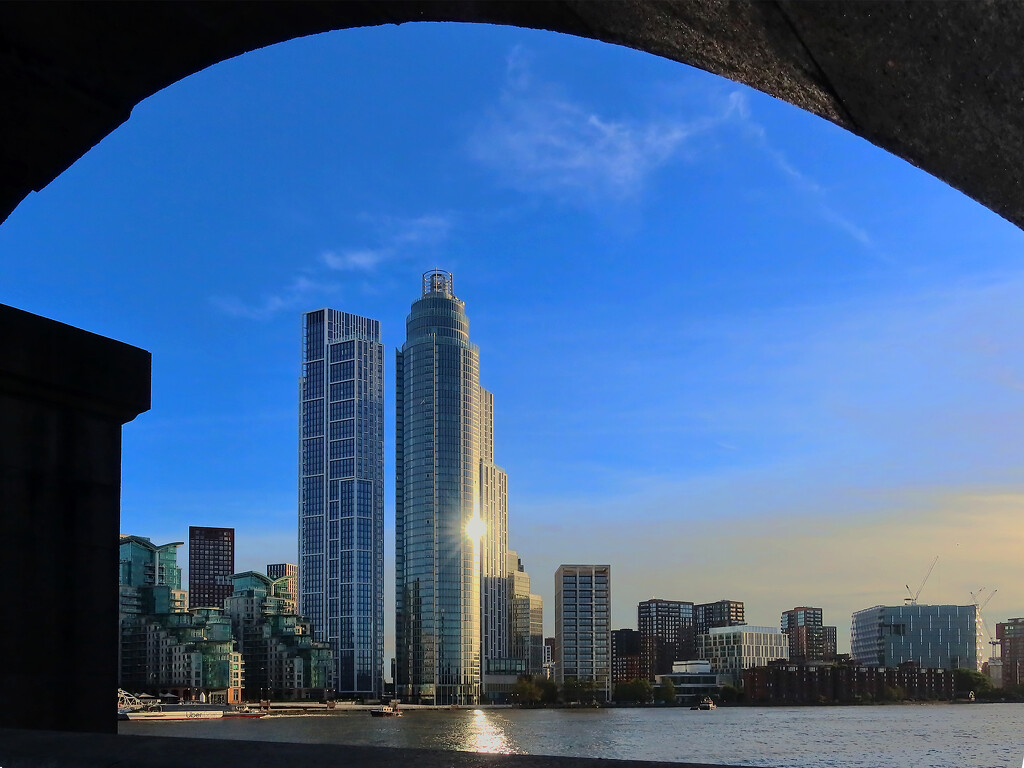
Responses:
[933,83]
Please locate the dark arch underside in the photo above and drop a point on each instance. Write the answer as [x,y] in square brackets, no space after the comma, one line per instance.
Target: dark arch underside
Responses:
[936,83]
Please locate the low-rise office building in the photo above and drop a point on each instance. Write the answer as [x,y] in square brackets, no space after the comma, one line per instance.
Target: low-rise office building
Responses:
[731,650]
[931,636]
[692,680]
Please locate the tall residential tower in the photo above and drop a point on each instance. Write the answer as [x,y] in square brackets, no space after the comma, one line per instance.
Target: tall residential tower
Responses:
[211,561]
[341,494]
[583,609]
[451,509]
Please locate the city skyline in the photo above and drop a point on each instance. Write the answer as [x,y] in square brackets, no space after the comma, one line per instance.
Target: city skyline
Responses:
[812,342]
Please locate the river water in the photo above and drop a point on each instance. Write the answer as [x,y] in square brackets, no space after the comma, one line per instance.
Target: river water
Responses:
[919,736]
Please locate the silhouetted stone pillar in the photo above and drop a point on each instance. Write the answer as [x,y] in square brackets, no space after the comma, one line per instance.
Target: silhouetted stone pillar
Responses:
[64,395]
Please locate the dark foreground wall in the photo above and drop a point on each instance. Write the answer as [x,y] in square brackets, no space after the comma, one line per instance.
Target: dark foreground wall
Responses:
[26,749]
[64,394]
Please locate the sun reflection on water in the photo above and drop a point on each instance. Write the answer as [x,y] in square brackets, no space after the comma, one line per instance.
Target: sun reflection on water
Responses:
[487,734]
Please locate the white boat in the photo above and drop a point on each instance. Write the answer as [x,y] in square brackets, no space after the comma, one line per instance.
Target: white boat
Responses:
[130,707]
[387,710]
[173,712]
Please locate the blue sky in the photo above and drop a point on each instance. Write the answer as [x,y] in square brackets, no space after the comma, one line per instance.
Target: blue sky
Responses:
[736,351]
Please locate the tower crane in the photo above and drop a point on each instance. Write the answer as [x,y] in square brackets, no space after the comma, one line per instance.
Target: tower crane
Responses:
[912,600]
[980,605]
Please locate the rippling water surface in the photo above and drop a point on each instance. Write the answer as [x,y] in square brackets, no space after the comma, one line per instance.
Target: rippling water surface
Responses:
[925,736]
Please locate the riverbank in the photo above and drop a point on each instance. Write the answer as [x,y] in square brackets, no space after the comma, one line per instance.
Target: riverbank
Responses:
[344,707]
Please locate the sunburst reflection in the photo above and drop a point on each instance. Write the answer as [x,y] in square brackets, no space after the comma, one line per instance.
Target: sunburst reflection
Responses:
[487,734]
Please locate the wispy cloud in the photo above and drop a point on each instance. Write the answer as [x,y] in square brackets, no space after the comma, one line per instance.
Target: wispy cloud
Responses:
[800,180]
[539,140]
[296,295]
[395,240]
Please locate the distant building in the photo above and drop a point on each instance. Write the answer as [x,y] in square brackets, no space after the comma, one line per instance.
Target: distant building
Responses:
[692,680]
[211,561]
[1010,635]
[721,613]
[149,582]
[149,579]
[666,634]
[341,494]
[550,650]
[731,650]
[993,668]
[189,654]
[782,682]
[527,617]
[282,659]
[288,571]
[809,639]
[931,636]
[583,602]
[626,657]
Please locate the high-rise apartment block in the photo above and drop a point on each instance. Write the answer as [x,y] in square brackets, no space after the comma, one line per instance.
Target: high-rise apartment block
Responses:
[721,613]
[583,607]
[935,636]
[341,494]
[666,634]
[451,509]
[809,639]
[211,562]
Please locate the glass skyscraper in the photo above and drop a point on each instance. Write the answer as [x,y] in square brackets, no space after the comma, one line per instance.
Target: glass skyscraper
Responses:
[451,508]
[341,494]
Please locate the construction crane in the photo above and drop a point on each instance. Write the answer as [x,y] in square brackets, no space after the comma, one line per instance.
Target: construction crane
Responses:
[912,600]
[980,605]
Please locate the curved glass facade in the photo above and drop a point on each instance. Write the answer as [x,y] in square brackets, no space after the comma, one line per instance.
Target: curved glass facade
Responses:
[438,504]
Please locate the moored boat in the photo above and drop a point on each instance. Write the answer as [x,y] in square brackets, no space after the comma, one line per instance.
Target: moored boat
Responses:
[130,707]
[171,712]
